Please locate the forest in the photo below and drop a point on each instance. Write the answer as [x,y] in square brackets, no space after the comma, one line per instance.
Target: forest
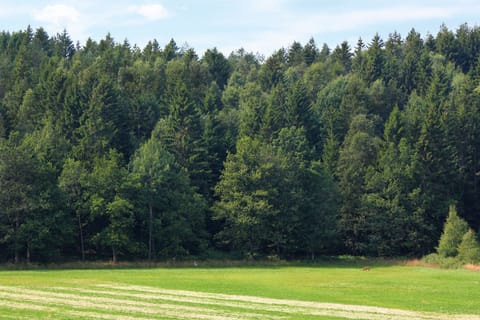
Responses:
[111,151]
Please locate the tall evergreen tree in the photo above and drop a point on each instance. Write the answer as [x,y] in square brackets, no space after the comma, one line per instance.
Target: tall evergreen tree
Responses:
[358,155]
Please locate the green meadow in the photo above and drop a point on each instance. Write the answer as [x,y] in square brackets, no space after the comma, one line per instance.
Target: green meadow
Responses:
[326,291]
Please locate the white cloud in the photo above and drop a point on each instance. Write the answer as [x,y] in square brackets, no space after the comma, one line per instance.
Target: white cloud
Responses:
[256,25]
[287,25]
[152,12]
[58,14]
[57,17]
[93,18]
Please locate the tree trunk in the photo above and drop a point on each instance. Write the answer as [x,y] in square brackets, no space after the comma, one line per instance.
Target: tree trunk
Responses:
[82,245]
[28,254]
[476,171]
[15,244]
[150,231]
[114,255]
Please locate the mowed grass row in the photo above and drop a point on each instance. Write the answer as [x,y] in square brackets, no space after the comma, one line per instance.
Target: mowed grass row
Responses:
[130,302]
[320,292]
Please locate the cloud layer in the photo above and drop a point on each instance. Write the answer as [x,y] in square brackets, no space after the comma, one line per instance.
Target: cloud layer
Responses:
[152,12]
[61,16]
[257,25]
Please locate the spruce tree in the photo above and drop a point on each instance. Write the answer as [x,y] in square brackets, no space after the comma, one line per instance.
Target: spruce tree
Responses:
[453,231]
[469,248]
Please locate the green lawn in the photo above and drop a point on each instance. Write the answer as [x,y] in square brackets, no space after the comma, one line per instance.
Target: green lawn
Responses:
[398,287]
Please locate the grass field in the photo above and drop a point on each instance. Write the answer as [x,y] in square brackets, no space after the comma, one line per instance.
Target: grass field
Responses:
[327,291]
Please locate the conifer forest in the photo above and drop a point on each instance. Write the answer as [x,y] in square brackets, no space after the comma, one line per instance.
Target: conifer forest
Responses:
[109,151]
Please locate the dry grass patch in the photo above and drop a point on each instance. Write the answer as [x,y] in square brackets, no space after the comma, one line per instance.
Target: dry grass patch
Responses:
[472,267]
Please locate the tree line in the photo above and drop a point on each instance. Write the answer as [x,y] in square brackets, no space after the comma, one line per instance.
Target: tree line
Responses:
[111,151]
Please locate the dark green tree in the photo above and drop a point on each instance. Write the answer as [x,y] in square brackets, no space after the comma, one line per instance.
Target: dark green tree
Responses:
[103,125]
[375,57]
[35,225]
[310,52]
[358,155]
[343,55]
[64,47]
[218,66]
[272,71]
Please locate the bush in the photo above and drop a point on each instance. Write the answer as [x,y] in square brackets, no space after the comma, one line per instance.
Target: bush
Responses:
[469,248]
[432,258]
[443,262]
[453,231]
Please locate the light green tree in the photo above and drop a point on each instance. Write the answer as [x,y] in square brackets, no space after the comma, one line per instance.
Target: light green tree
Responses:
[72,182]
[453,232]
[469,248]
[111,213]
[175,213]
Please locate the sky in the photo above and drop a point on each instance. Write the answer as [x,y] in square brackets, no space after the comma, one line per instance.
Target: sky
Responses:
[258,26]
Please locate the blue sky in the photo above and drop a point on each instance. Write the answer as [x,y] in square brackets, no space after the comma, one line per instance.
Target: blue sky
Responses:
[256,25]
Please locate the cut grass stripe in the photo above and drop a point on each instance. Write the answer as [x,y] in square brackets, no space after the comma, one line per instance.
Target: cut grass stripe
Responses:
[123,305]
[16,317]
[193,300]
[306,307]
[132,302]
[259,307]
[96,315]
[24,306]
[179,299]
[171,311]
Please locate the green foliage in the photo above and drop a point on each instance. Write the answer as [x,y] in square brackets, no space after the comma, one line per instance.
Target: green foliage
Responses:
[173,212]
[34,225]
[73,183]
[111,214]
[112,150]
[246,191]
[443,262]
[358,155]
[102,126]
[274,201]
[458,245]
[469,248]
[117,234]
[453,232]
[218,66]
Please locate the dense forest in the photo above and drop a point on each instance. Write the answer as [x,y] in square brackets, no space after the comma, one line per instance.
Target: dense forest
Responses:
[111,151]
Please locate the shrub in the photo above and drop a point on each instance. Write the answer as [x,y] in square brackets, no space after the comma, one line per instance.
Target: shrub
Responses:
[432,258]
[443,262]
[469,248]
